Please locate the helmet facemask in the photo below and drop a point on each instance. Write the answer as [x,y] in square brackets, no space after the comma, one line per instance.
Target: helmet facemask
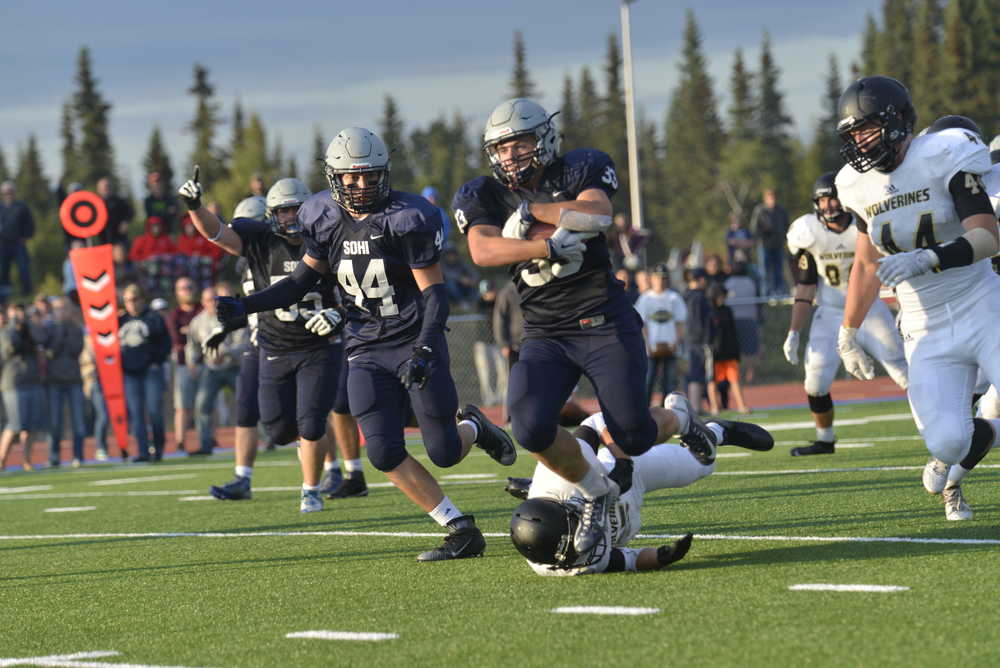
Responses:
[291,230]
[527,165]
[355,199]
[879,150]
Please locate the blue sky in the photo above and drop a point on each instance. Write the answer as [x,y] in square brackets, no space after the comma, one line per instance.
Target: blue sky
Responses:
[308,62]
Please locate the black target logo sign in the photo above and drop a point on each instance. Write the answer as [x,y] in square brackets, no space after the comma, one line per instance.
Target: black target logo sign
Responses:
[83,214]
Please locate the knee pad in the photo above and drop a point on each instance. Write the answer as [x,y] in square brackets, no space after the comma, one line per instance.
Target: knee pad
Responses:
[637,440]
[384,456]
[281,431]
[312,429]
[531,434]
[820,404]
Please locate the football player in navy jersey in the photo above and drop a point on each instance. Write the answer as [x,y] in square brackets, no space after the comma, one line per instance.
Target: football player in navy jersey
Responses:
[384,246]
[299,362]
[578,318]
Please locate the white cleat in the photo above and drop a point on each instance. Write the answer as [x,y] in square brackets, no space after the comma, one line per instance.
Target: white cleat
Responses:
[955,507]
[935,475]
[311,501]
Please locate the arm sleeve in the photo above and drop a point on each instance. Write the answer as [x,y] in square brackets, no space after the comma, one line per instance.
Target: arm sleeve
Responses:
[435,315]
[969,194]
[804,270]
[285,292]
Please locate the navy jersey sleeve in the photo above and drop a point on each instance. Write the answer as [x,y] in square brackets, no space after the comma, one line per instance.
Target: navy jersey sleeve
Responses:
[421,235]
[310,214]
[250,231]
[472,206]
[589,168]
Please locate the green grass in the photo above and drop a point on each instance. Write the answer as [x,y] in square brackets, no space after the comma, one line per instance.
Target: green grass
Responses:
[201,601]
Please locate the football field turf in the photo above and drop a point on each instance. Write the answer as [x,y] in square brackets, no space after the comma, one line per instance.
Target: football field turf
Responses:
[136,566]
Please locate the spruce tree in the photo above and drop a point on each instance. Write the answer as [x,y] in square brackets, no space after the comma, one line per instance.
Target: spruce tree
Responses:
[869,47]
[773,125]
[984,103]
[292,168]
[589,113]
[392,133]
[958,58]
[894,53]
[70,155]
[31,185]
[204,126]
[95,155]
[826,147]
[46,248]
[4,172]
[157,160]
[317,175]
[521,84]
[925,80]
[568,117]
[612,130]
[694,139]
[742,107]
[251,157]
[737,180]
[238,125]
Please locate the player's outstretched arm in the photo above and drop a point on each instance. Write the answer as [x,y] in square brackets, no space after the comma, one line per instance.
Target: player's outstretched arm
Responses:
[206,222]
[589,212]
[489,248]
[287,291]
[655,558]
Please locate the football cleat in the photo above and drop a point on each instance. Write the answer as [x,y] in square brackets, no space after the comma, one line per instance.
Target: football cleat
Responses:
[236,489]
[464,540]
[817,448]
[518,487]
[494,440]
[955,507]
[745,435]
[352,486]
[935,475]
[311,501]
[594,519]
[330,481]
[697,437]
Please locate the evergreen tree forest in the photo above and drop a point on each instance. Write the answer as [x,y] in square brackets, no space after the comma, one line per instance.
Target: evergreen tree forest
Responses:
[702,162]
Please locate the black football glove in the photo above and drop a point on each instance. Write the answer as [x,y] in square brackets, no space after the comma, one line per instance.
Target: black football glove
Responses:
[231,312]
[414,370]
[214,340]
[622,474]
[668,554]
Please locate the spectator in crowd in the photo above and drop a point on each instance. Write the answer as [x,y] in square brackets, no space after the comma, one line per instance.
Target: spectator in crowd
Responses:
[491,367]
[738,238]
[257,187]
[24,400]
[663,316]
[120,213]
[625,243]
[153,255]
[631,289]
[69,278]
[16,227]
[696,336]
[460,279]
[145,346]
[95,396]
[642,283]
[199,256]
[63,345]
[716,273]
[742,291]
[220,365]
[430,194]
[3,410]
[725,348]
[160,203]
[185,377]
[770,225]
[125,272]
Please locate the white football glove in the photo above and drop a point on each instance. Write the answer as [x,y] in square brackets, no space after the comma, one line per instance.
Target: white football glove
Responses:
[325,322]
[516,227]
[856,360]
[565,246]
[191,191]
[791,347]
[894,269]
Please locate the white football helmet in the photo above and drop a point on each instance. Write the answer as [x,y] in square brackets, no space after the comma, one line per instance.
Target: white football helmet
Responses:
[517,117]
[254,208]
[285,194]
[354,151]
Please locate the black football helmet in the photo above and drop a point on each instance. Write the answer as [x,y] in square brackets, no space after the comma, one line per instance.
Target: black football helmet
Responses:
[881,101]
[542,531]
[826,186]
[954,121]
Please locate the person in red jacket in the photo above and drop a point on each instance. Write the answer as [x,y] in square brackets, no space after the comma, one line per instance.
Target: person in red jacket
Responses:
[153,255]
[200,256]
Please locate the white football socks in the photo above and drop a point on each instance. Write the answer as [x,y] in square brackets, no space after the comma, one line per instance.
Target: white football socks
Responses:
[352,465]
[475,429]
[244,471]
[444,512]
[594,484]
[825,434]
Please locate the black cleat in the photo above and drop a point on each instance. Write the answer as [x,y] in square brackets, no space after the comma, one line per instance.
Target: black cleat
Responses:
[494,440]
[817,448]
[745,435]
[668,554]
[350,487]
[464,540]
[697,438]
[330,481]
[518,487]
[236,489]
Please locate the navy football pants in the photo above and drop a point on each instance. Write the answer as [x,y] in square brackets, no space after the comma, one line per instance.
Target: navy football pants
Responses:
[297,391]
[379,403]
[247,409]
[612,357]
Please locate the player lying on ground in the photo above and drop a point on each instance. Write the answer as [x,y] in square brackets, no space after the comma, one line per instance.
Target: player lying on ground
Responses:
[542,527]
[383,247]
[925,227]
[822,247]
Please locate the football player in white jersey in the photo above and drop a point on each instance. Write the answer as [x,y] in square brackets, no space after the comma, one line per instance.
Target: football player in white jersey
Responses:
[925,227]
[542,527]
[822,246]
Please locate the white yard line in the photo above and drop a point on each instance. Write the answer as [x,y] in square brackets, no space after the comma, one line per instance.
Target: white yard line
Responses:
[69,509]
[428,534]
[880,589]
[22,490]
[137,480]
[76,660]
[848,422]
[603,610]
[362,636]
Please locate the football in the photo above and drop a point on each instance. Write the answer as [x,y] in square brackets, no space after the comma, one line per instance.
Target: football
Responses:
[539,230]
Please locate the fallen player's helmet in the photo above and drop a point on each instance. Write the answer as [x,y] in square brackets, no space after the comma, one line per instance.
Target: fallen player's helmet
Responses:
[284,194]
[254,208]
[515,118]
[542,531]
[884,103]
[355,151]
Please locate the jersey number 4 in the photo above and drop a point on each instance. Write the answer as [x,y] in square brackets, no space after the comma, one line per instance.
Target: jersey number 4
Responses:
[924,238]
[374,285]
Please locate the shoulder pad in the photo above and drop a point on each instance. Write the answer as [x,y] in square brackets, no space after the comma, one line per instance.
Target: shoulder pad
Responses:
[408,213]
[800,233]
[314,208]
[846,179]
[950,151]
